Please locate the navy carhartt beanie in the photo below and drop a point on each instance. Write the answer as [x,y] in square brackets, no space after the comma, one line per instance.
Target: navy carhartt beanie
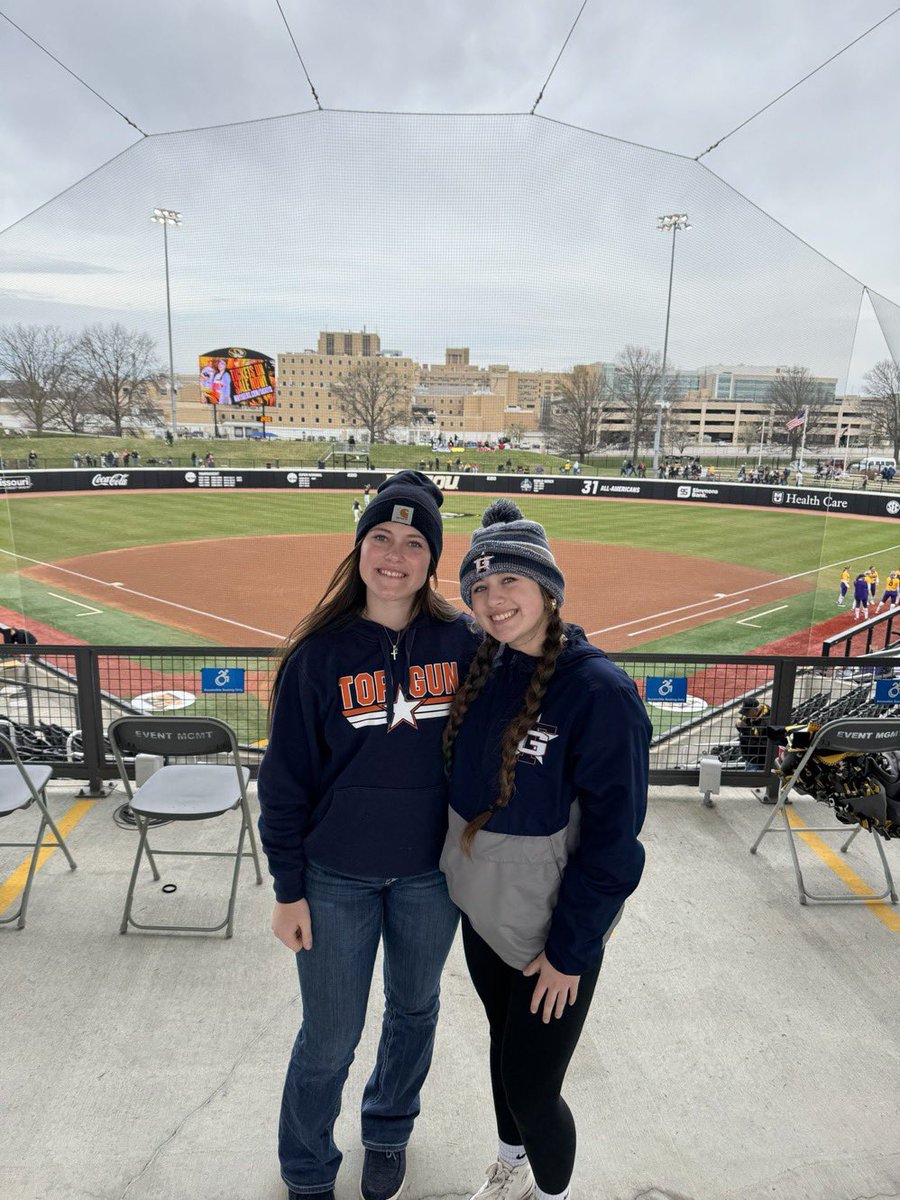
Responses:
[410,498]
[507,542]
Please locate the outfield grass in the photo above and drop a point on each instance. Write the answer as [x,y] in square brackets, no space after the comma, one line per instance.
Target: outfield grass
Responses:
[56,451]
[52,528]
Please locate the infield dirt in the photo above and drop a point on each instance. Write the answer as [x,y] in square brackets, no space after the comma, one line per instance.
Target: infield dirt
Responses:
[252,591]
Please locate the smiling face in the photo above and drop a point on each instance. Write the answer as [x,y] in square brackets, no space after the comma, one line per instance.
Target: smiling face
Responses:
[512,609]
[393,562]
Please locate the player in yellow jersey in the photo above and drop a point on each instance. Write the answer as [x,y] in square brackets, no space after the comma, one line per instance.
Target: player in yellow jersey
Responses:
[844,587]
[872,577]
[891,589]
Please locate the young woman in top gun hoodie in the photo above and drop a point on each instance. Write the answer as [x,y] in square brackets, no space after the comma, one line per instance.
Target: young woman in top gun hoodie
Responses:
[547,743]
[354,812]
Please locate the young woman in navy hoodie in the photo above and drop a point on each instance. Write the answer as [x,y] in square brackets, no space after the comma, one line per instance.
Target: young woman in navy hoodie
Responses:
[353,799]
[547,745]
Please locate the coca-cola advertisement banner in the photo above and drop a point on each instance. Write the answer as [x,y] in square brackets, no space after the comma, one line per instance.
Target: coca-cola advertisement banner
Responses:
[583,487]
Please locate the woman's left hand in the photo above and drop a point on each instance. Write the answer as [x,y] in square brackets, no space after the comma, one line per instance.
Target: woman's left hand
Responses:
[553,988]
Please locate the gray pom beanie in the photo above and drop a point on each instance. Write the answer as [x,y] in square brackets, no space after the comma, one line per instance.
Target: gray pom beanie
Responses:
[507,542]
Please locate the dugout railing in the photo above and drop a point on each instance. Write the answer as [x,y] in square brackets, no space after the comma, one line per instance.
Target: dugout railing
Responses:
[56,702]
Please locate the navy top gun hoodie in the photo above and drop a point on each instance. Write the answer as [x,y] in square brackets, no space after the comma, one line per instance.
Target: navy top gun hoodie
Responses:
[551,870]
[353,778]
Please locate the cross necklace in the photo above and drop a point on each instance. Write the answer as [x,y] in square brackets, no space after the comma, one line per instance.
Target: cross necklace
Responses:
[395,646]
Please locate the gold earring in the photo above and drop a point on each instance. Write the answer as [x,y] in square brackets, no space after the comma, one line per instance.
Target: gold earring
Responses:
[553,605]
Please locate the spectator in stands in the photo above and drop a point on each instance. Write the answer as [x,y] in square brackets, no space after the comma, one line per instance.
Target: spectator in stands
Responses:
[542,724]
[194,459]
[353,813]
[18,637]
[76,459]
[32,458]
[751,731]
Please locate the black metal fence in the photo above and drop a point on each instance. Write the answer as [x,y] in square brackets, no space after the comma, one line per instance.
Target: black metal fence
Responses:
[875,635]
[56,703]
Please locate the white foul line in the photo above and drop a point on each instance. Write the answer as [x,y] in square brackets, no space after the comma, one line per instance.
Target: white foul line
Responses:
[89,612]
[678,620]
[144,595]
[754,588]
[752,623]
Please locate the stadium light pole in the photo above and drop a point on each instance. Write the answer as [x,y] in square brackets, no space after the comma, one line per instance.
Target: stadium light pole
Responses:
[673,222]
[167,217]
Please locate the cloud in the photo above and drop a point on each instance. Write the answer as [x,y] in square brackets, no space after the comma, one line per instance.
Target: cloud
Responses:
[53,266]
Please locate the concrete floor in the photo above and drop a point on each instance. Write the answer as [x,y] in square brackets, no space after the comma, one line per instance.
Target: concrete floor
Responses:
[740,1047]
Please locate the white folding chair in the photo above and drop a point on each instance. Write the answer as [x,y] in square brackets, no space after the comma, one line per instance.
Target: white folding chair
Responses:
[184,792]
[20,787]
[860,734]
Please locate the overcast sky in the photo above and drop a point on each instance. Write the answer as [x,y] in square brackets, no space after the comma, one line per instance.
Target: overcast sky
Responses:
[823,162]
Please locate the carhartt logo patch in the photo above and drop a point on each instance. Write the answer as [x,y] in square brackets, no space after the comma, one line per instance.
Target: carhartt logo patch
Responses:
[483,564]
[403,514]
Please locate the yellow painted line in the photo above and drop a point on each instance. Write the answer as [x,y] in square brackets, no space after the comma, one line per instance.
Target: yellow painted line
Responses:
[13,887]
[837,862]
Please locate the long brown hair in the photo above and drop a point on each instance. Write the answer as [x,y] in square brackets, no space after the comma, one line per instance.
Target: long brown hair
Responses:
[479,671]
[343,602]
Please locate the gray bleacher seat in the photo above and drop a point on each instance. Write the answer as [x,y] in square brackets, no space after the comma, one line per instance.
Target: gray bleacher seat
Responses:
[184,792]
[20,787]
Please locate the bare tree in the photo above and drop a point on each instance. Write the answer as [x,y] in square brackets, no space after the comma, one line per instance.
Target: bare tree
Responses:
[790,392]
[514,432]
[679,430]
[576,409]
[638,371]
[120,368]
[881,389]
[36,359]
[373,395]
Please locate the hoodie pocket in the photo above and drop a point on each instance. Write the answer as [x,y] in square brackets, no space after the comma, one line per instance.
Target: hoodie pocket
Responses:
[507,888]
[380,832]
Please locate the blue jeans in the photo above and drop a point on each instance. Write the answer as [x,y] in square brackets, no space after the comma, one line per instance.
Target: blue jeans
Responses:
[416,920]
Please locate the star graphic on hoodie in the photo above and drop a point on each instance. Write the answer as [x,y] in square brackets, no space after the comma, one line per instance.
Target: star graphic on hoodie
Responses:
[404,711]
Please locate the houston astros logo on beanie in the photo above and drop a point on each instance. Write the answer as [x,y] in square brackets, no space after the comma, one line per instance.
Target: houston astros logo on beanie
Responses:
[409,498]
[508,542]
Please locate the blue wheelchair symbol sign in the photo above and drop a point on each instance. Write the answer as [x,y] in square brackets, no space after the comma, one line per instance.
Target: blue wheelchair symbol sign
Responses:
[887,691]
[221,679]
[668,688]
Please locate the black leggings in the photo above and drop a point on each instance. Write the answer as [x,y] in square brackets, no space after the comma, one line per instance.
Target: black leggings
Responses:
[529,1061]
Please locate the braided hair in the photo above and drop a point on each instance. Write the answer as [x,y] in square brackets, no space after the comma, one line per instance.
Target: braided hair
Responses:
[554,643]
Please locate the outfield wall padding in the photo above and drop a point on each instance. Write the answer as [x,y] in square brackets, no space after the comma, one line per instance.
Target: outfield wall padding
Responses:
[590,487]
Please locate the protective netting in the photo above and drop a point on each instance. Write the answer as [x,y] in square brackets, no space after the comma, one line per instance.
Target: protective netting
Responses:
[532,242]
[888,314]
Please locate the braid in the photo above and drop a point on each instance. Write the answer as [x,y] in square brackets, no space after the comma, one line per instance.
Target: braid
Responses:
[554,643]
[476,678]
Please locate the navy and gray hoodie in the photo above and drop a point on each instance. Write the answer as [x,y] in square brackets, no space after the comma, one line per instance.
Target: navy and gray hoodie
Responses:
[353,777]
[551,870]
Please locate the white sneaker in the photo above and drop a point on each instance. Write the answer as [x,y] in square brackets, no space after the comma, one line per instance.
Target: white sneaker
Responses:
[507,1183]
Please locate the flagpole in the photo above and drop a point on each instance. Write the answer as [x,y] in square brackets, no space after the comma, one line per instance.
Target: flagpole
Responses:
[800,463]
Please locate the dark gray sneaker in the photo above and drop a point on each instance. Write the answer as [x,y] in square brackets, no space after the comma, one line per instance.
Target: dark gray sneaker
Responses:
[383,1174]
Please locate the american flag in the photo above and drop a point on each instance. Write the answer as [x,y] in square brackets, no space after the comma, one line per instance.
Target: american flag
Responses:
[795,422]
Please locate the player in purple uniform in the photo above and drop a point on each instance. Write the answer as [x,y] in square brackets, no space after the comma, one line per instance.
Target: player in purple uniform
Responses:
[860,597]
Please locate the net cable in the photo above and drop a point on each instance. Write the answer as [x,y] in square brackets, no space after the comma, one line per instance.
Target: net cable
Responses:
[558,57]
[299,55]
[794,86]
[74,74]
